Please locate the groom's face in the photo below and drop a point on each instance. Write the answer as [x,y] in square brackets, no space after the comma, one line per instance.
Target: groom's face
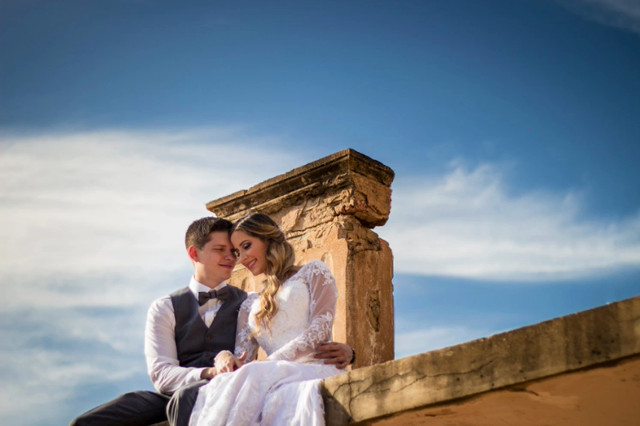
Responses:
[215,260]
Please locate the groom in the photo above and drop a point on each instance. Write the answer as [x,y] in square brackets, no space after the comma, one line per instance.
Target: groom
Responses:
[185,331]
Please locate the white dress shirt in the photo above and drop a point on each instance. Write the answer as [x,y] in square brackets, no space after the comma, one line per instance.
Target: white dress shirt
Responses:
[160,348]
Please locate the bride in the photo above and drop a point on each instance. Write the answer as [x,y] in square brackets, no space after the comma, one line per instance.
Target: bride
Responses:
[293,314]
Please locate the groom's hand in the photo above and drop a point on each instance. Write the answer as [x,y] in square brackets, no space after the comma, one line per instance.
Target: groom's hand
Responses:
[225,362]
[335,353]
[208,373]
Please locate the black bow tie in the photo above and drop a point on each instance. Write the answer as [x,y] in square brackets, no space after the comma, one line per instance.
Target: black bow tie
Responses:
[221,295]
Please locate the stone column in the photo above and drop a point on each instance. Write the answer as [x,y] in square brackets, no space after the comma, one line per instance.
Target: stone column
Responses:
[327,209]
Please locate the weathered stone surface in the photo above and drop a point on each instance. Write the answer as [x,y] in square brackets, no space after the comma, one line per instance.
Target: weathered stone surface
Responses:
[543,350]
[607,394]
[326,209]
[347,182]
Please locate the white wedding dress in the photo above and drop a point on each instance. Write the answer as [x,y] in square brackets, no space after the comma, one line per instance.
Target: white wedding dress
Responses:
[284,389]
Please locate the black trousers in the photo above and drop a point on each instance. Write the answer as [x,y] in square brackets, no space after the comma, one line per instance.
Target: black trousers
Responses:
[143,408]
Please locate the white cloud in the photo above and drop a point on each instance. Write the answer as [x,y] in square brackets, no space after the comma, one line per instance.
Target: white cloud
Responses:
[102,204]
[623,14]
[92,227]
[466,224]
[47,379]
[47,353]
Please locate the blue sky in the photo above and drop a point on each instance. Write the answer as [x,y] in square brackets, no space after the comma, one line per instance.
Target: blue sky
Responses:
[513,128]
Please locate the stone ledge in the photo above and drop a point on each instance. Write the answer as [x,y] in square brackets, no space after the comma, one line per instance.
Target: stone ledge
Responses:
[570,343]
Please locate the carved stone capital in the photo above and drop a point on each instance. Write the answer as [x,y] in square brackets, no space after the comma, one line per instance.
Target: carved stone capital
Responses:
[348,182]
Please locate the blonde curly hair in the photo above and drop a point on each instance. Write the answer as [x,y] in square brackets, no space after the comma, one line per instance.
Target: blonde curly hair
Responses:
[280,260]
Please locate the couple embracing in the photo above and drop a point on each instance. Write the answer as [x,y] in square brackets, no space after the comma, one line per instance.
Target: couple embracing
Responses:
[201,342]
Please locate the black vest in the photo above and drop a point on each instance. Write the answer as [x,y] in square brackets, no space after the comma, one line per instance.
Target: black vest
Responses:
[198,345]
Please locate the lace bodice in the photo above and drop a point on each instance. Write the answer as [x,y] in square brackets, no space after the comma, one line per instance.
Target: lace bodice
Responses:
[306,309]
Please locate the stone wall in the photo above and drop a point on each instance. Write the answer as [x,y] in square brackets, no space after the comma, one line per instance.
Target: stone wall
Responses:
[327,210]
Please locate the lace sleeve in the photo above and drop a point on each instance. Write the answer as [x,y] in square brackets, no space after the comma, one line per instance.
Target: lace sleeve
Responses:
[245,343]
[324,293]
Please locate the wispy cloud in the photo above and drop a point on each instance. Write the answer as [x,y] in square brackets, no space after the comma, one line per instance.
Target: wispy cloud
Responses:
[114,203]
[623,14]
[49,353]
[467,224]
[92,230]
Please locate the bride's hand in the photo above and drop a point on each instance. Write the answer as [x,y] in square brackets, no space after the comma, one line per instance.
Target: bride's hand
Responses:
[239,362]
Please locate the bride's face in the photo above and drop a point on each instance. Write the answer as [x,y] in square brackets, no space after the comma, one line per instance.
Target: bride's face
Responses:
[251,252]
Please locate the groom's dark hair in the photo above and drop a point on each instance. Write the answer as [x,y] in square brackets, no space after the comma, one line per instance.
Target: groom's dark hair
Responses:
[199,231]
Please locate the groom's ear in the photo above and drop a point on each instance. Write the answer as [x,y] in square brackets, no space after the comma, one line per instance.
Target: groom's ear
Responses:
[193,253]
